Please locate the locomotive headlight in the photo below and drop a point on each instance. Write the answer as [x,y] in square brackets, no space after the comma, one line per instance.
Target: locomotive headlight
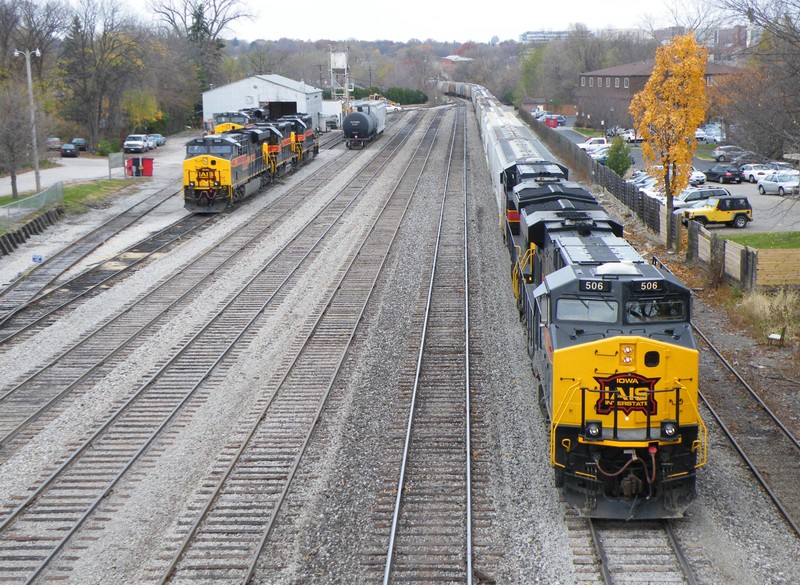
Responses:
[594,429]
[669,429]
[191,184]
[627,354]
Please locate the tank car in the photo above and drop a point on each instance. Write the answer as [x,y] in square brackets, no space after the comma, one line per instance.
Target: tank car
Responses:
[608,335]
[366,122]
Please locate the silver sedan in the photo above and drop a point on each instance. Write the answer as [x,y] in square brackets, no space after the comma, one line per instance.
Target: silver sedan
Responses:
[780,184]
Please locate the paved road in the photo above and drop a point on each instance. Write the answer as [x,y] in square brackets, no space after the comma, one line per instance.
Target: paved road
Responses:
[167,163]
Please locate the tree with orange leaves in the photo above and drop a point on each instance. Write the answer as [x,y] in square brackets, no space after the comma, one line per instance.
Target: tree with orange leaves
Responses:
[668,111]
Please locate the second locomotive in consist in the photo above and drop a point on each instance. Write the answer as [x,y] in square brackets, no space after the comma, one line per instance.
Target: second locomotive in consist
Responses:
[608,335]
[222,169]
[366,122]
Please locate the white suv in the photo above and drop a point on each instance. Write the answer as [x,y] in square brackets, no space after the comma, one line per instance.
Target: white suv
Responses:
[136,143]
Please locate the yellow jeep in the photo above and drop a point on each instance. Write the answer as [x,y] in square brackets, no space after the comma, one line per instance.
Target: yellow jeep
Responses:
[733,210]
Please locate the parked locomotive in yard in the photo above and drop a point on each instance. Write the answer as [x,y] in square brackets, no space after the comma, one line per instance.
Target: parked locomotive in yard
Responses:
[608,335]
[366,122]
[222,169]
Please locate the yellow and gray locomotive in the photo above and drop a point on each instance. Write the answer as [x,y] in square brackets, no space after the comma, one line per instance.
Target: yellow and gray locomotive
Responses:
[613,354]
[222,169]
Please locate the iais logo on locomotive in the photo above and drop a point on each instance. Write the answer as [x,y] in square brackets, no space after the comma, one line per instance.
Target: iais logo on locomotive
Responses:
[627,393]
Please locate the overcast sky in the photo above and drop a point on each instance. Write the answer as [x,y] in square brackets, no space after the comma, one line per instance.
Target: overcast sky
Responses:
[445,21]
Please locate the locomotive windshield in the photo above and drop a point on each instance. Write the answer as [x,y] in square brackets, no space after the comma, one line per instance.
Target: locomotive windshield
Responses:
[195,149]
[644,310]
[589,310]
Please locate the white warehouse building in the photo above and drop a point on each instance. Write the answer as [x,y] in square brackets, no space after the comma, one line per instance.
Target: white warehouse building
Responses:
[280,95]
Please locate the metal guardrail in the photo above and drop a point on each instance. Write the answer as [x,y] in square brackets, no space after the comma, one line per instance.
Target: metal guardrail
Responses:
[17,211]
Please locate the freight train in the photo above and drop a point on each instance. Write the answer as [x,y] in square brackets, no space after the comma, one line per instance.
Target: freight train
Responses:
[222,169]
[366,122]
[608,335]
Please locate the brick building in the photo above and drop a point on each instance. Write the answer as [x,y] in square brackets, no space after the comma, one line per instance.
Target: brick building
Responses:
[605,95]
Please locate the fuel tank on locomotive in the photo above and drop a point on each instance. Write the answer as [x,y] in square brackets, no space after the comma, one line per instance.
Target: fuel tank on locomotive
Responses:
[364,123]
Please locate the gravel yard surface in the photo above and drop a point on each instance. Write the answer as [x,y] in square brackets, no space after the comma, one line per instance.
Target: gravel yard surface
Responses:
[327,530]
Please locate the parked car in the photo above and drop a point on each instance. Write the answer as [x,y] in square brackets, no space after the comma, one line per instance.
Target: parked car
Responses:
[70,150]
[561,120]
[724,174]
[697,177]
[53,144]
[630,135]
[136,143]
[780,183]
[80,143]
[748,157]
[753,172]
[614,130]
[161,140]
[601,155]
[726,153]
[732,210]
[593,142]
[777,165]
[692,195]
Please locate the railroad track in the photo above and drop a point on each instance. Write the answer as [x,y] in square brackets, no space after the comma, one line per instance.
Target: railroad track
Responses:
[427,535]
[35,400]
[639,552]
[73,492]
[26,287]
[767,446]
[255,481]
[52,296]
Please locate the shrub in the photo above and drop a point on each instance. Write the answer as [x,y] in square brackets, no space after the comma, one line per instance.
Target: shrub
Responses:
[106,146]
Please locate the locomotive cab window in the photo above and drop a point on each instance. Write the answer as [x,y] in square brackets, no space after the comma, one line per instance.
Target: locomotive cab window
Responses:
[644,310]
[195,149]
[588,310]
[221,149]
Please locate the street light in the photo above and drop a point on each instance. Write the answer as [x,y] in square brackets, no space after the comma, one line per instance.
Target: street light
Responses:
[28,54]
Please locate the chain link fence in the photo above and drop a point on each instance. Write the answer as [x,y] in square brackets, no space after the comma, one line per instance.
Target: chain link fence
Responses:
[17,211]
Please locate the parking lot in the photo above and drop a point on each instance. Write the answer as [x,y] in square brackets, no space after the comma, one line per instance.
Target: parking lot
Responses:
[771,213]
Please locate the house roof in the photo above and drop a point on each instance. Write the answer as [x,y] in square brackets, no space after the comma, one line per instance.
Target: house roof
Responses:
[645,68]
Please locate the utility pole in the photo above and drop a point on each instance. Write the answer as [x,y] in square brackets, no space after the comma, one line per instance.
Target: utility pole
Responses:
[35,146]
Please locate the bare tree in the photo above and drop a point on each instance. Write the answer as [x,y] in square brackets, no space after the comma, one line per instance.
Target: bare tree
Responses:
[180,16]
[101,58]
[39,28]
[9,25]
[15,135]
[766,105]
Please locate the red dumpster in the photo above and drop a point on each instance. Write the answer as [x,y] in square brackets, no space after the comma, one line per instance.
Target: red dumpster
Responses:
[133,167]
[147,166]
[551,122]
